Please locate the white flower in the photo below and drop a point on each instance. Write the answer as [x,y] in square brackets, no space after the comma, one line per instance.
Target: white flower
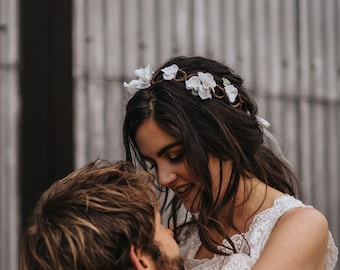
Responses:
[144,74]
[207,80]
[144,80]
[230,90]
[170,72]
[195,85]
[201,85]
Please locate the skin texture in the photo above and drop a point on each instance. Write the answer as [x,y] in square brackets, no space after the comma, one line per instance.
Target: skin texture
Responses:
[164,152]
[170,258]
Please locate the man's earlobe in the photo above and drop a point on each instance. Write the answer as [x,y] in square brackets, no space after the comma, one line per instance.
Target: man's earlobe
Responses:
[140,260]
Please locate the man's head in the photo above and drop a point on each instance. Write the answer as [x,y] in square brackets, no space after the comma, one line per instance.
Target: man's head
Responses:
[102,216]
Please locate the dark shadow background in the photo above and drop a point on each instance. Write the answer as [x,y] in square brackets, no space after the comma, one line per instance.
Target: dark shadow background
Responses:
[46,127]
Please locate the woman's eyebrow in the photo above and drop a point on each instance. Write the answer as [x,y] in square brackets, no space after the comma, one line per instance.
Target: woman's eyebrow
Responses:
[166,148]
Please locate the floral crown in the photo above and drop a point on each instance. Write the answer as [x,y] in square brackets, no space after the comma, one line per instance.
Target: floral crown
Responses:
[201,84]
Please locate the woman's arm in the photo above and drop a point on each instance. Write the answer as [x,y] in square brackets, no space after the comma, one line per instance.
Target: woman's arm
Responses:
[298,241]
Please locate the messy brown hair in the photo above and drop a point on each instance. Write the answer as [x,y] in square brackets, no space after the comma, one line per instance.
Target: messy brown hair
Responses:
[89,220]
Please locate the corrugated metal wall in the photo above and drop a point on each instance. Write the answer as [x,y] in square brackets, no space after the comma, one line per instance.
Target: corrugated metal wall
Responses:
[287,51]
[9,108]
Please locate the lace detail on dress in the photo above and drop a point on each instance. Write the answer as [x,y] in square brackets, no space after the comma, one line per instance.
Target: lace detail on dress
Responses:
[332,253]
[249,245]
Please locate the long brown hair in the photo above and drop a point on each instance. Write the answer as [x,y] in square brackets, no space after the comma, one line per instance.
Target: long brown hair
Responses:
[213,126]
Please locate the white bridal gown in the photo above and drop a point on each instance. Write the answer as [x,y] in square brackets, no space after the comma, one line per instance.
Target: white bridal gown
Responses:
[256,238]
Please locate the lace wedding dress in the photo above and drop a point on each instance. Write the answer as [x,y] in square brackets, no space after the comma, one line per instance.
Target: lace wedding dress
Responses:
[249,244]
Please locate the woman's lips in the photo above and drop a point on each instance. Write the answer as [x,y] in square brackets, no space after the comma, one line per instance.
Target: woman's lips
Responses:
[183,191]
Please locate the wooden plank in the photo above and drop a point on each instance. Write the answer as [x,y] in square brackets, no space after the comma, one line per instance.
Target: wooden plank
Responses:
[130,37]
[80,122]
[319,185]
[95,118]
[304,48]
[79,86]
[274,49]
[317,114]
[260,62]
[229,34]
[165,30]
[95,38]
[304,109]
[79,38]
[114,121]
[182,27]
[317,64]
[200,27]
[148,45]
[9,135]
[330,51]
[243,39]
[289,71]
[12,157]
[113,45]
[214,30]
[332,170]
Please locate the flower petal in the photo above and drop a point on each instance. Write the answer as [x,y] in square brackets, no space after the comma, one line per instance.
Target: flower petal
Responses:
[204,93]
[170,72]
[207,80]
[231,92]
[144,74]
[193,83]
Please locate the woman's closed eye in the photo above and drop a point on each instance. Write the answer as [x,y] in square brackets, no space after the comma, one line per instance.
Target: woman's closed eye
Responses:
[176,158]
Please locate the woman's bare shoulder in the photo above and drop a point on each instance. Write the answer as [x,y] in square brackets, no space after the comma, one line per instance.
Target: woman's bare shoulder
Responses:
[298,241]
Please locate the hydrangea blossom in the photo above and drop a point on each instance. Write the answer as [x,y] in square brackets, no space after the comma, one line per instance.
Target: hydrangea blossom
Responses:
[170,72]
[230,90]
[201,85]
[144,80]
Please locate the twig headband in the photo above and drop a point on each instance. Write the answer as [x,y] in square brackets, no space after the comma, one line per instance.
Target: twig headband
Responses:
[201,84]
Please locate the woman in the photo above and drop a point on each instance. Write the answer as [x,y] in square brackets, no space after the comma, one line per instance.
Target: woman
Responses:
[193,123]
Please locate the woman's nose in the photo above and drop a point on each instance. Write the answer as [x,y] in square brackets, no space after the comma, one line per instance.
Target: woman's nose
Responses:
[166,176]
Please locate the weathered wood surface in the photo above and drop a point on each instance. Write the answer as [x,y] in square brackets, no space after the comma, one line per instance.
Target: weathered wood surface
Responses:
[9,121]
[287,51]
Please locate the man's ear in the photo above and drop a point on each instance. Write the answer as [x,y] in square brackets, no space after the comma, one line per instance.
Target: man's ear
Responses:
[140,260]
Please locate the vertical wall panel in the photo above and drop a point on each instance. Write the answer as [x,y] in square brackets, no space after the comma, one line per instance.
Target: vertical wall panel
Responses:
[148,26]
[260,49]
[289,70]
[243,38]
[182,27]
[214,38]
[80,83]
[228,18]
[9,123]
[302,90]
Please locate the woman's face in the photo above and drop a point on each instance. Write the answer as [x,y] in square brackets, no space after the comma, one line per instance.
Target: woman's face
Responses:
[167,156]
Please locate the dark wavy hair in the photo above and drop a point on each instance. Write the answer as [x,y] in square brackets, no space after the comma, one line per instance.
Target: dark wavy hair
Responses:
[213,126]
[89,220]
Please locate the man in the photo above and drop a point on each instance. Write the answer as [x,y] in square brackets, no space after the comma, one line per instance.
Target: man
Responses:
[102,216]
